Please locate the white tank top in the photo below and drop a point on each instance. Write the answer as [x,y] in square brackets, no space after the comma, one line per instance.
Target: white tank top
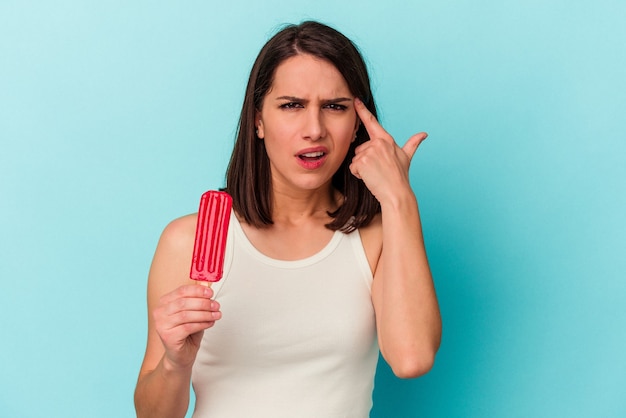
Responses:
[296,338]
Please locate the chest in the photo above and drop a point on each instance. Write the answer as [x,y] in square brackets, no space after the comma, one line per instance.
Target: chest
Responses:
[284,243]
[276,313]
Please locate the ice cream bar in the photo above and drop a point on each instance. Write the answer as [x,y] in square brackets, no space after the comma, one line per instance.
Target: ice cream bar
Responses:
[211,231]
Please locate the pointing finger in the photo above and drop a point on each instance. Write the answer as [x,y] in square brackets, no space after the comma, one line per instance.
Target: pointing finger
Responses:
[374,129]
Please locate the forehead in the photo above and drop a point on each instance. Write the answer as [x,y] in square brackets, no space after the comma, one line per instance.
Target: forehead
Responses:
[303,75]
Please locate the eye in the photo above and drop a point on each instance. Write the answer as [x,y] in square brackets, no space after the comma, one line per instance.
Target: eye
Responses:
[291,105]
[336,107]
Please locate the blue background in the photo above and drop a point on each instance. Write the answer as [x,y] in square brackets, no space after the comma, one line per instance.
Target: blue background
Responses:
[115,116]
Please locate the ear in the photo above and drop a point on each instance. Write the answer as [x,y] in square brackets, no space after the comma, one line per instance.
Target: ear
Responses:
[356,128]
[258,122]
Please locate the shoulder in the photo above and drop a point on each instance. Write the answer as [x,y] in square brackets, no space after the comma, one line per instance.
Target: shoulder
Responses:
[372,239]
[180,232]
[172,258]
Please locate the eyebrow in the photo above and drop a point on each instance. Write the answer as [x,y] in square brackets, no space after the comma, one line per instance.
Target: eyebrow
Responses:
[329,101]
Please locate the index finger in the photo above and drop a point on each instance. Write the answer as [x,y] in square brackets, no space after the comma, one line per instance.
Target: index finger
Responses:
[190,291]
[374,129]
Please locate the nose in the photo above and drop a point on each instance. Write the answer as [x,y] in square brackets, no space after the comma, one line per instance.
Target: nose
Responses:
[314,127]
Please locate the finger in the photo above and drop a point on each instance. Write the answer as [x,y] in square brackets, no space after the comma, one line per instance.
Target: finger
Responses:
[187,291]
[411,145]
[354,170]
[182,332]
[186,318]
[374,129]
[192,304]
[193,317]
[362,148]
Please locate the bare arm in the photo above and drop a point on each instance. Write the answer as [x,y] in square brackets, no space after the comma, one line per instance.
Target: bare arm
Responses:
[179,312]
[403,293]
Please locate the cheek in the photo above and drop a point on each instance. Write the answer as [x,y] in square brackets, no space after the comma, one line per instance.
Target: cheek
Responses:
[278,130]
[344,134]
[276,141]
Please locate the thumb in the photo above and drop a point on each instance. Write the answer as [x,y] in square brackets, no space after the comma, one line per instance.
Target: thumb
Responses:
[411,145]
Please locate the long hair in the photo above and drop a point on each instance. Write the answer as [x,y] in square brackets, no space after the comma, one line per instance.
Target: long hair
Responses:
[248,177]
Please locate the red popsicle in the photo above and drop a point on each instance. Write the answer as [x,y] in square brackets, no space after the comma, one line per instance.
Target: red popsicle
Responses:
[211,231]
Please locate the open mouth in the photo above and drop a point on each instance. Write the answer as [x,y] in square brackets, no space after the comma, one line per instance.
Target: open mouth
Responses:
[311,156]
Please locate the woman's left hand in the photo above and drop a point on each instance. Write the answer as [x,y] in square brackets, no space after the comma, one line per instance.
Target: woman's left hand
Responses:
[380,162]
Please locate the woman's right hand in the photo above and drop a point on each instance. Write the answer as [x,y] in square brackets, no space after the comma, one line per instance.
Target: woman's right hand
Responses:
[180,320]
[179,310]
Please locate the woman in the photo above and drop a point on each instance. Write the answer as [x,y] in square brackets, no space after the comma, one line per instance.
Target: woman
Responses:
[325,264]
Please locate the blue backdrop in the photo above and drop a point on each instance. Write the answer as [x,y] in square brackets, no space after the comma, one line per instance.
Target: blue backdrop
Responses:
[115,116]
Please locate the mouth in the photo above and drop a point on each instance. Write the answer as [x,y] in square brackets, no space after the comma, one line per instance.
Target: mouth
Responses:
[312,156]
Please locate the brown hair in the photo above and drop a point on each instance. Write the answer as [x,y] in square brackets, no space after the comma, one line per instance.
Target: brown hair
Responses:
[248,178]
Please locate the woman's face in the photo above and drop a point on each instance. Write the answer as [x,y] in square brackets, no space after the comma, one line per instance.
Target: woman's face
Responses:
[307,122]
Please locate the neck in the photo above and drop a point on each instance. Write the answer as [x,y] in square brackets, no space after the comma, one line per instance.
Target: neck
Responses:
[303,206]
